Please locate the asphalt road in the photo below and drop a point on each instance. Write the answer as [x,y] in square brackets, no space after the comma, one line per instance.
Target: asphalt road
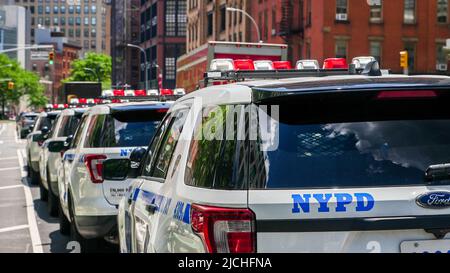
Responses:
[25,225]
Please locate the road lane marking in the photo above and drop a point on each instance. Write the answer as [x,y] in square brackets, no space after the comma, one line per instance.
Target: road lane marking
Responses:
[34,232]
[9,169]
[8,158]
[11,187]
[13,228]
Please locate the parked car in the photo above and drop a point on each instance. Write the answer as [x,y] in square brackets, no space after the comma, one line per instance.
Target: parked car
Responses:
[353,163]
[25,123]
[50,157]
[35,139]
[88,200]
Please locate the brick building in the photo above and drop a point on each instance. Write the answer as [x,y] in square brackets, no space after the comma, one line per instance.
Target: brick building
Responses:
[319,29]
[208,20]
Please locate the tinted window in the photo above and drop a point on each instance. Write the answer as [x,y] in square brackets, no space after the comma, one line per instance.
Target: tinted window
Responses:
[94,132]
[168,144]
[153,146]
[79,132]
[366,144]
[217,162]
[130,129]
[64,123]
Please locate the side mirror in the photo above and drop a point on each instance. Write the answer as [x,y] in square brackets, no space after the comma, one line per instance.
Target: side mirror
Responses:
[68,141]
[37,137]
[116,169]
[136,157]
[56,146]
[45,130]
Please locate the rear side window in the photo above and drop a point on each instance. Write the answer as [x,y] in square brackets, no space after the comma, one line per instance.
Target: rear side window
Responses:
[62,127]
[356,142]
[79,132]
[218,162]
[168,144]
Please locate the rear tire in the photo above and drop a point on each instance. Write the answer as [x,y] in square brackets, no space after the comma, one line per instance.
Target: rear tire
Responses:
[35,178]
[86,245]
[64,224]
[53,201]
[44,192]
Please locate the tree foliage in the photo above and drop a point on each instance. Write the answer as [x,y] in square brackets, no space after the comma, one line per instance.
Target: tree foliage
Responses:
[101,64]
[25,83]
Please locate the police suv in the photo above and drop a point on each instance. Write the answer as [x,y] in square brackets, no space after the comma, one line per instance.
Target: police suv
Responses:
[88,200]
[336,163]
[35,139]
[51,154]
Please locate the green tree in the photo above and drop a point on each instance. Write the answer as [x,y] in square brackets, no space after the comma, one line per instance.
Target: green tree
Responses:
[25,83]
[93,67]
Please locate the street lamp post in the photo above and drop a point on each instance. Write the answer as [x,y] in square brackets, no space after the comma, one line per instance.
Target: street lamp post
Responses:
[250,17]
[145,63]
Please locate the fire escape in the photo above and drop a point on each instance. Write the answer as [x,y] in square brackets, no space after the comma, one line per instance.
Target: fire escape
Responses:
[291,25]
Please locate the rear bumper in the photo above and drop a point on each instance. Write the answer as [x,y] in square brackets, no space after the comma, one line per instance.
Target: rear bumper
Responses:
[91,227]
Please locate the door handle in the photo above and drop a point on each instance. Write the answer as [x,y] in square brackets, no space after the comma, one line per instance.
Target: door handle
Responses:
[151,208]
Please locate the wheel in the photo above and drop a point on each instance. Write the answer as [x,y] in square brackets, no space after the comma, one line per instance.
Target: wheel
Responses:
[86,245]
[64,224]
[53,201]
[35,177]
[43,191]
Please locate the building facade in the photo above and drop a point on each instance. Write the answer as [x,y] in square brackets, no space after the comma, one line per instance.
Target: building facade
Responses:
[83,21]
[163,37]
[321,29]
[210,21]
[51,76]
[126,24]
[15,30]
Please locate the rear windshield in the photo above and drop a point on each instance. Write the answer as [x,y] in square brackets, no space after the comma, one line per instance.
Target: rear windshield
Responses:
[30,117]
[125,129]
[354,143]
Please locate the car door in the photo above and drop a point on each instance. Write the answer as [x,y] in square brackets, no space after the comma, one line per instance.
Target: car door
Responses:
[70,158]
[152,201]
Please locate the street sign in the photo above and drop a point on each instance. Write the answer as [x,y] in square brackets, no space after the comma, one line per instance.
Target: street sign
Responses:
[39,55]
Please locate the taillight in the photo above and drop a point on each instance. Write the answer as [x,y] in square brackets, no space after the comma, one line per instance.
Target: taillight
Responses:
[40,142]
[224,230]
[94,164]
[407,94]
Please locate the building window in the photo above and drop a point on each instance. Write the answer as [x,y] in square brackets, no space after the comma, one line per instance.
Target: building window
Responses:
[376,12]
[341,49]
[375,50]
[176,18]
[341,10]
[309,13]
[409,14]
[442,11]
[223,14]
[210,17]
[441,57]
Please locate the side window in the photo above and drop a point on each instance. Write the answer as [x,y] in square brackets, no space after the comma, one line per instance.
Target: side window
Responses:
[94,131]
[153,145]
[61,130]
[73,125]
[218,162]
[168,144]
[79,132]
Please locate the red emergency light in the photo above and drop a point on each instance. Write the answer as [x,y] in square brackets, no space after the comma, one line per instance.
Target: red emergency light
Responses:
[333,63]
[166,92]
[118,93]
[244,64]
[282,65]
[140,93]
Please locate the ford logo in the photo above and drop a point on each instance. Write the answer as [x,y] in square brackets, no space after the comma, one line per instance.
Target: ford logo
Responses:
[434,200]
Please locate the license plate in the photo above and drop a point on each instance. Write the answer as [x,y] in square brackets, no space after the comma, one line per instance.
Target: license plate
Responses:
[426,246]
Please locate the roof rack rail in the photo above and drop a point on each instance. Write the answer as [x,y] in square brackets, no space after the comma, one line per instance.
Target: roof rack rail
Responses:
[372,69]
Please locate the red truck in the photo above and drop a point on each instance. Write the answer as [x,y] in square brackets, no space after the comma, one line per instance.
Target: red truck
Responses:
[192,66]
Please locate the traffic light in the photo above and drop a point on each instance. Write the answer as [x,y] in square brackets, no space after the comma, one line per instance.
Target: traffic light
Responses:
[51,57]
[10,85]
[404,59]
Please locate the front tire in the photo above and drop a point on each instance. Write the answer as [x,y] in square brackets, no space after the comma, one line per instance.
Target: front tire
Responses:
[64,224]
[35,177]
[44,192]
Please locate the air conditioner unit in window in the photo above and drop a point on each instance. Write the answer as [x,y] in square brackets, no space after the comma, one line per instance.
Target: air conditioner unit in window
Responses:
[341,16]
[441,67]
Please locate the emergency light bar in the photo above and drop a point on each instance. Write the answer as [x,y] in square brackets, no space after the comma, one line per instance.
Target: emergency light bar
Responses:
[372,69]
